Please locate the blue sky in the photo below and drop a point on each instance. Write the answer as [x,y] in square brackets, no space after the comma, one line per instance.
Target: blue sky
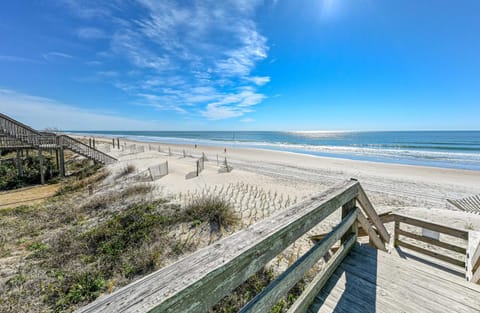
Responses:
[241,64]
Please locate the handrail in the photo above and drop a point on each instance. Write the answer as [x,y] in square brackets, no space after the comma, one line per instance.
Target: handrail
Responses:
[11,120]
[29,136]
[81,148]
[473,258]
[451,231]
[280,286]
[197,282]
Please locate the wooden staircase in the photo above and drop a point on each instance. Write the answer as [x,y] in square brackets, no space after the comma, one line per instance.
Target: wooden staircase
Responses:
[14,134]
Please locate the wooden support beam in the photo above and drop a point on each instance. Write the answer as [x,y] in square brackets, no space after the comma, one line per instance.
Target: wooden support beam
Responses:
[372,215]
[395,233]
[19,163]
[372,234]
[42,174]
[62,161]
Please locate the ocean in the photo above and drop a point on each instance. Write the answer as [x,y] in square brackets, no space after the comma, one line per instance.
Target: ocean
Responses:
[448,149]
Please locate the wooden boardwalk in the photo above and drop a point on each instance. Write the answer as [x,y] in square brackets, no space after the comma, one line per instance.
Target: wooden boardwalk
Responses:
[369,280]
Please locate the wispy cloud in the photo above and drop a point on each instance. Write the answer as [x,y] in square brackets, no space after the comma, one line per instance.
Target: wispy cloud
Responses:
[196,58]
[12,58]
[260,81]
[91,33]
[44,112]
[54,55]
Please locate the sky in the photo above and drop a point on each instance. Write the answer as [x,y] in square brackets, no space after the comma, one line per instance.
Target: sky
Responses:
[241,64]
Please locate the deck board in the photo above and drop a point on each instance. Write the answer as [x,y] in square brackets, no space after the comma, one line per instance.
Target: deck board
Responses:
[370,281]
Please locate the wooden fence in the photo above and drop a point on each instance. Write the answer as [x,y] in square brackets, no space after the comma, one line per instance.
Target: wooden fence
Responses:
[199,281]
[158,171]
[200,165]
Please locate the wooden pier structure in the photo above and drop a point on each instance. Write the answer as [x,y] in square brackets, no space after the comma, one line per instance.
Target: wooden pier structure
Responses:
[355,277]
[17,136]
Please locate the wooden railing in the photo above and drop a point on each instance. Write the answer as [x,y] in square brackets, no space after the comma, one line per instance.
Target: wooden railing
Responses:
[24,133]
[473,257]
[18,132]
[199,281]
[399,219]
[85,150]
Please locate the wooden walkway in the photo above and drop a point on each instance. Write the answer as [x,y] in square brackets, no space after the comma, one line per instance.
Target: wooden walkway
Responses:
[369,280]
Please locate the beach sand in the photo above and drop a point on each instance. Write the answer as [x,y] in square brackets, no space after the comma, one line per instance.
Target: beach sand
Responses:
[263,182]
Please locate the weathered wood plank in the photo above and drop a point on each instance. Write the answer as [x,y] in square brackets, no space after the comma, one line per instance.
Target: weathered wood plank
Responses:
[387,217]
[371,233]
[197,282]
[416,268]
[431,253]
[407,280]
[473,257]
[280,286]
[432,226]
[432,241]
[306,298]
[372,215]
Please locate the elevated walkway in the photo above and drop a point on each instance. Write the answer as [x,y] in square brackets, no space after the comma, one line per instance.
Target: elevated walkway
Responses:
[369,280]
[16,135]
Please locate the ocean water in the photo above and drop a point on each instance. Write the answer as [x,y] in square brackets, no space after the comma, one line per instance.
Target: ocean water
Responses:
[449,149]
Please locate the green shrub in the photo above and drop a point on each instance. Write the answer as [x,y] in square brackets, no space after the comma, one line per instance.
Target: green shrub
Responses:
[9,178]
[214,210]
[123,231]
[76,288]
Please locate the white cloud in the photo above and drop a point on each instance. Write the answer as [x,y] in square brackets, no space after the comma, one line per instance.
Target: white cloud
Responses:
[12,58]
[50,56]
[259,80]
[233,105]
[41,113]
[192,57]
[91,33]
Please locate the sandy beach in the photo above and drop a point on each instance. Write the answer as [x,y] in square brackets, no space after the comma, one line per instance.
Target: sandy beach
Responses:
[286,178]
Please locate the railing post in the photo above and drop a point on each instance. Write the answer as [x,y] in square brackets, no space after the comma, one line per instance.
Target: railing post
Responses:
[346,209]
[395,233]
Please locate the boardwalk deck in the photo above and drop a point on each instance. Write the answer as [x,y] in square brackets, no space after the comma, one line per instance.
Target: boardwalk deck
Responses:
[370,280]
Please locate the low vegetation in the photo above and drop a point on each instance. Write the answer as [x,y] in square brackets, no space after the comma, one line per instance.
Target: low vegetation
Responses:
[216,211]
[10,178]
[75,248]
[253,286]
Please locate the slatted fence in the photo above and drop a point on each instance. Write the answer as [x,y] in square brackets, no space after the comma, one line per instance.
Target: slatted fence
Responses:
[158,171]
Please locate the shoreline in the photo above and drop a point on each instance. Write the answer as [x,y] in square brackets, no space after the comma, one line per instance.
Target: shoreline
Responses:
[378,175]
[367,154]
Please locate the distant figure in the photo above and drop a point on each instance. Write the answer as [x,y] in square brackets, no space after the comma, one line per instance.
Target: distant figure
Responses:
[225,150]
[195,146]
